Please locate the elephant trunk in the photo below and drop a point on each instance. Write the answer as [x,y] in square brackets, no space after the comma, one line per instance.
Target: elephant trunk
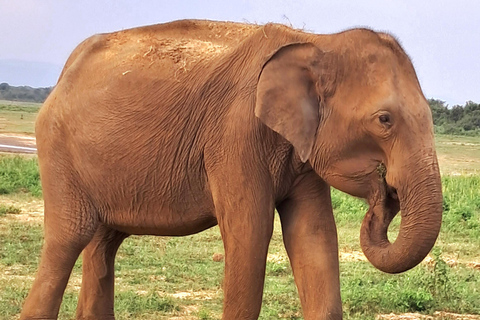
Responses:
[419,198]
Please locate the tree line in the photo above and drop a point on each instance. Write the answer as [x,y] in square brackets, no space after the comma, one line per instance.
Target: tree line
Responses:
[23,93]
[463,120]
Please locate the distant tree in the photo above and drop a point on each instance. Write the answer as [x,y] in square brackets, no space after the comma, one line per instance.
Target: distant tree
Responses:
[456,113]
[456,120]
[440,112]
[471,106]
[471,121]
[23,93]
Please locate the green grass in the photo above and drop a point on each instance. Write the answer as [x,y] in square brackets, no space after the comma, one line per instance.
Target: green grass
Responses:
[16,117]
[16,106]
[151,270]
[159,277]
[18,174]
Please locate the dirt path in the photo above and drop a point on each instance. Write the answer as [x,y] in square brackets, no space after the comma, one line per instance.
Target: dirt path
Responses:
[15,143]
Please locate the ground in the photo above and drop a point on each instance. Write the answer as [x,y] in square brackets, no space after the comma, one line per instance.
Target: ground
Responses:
[181,278]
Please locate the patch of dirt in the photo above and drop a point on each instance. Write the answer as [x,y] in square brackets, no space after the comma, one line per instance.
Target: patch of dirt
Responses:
[450,260]
[185,313]
[461,143]
[32,210]
[457,165]
[196,295]
[436,315]
[17,139]
[15,272]
[218,257]
[352,256]
[277,258]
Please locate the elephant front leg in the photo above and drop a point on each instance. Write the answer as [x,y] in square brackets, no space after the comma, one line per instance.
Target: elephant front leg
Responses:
[310,238]
[97,292]
[246,226]
[246,244]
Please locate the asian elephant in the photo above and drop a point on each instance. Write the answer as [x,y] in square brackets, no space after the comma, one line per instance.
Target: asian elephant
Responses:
[174,128]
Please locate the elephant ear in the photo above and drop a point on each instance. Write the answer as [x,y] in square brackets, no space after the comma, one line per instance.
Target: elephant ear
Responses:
[287,95]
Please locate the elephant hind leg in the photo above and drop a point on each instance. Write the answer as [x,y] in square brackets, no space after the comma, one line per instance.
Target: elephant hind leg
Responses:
[69,226]
[97,292]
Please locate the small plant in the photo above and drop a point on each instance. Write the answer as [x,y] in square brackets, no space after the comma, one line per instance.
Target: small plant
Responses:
[9,210]
[441,281]
[204,314]
[416,300]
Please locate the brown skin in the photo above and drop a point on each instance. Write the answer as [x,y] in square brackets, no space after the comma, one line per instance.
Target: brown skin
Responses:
[171,129]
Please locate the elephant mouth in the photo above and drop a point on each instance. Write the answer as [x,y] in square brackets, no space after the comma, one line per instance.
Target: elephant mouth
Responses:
[385,196]
[384,205]
[392,192]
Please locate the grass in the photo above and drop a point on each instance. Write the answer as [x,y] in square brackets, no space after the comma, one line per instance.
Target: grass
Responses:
[161,278]
[9,209]
[19,174]
[16,117]
[458,155]
[165,277]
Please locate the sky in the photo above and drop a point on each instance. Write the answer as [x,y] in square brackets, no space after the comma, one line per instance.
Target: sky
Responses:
[442,37]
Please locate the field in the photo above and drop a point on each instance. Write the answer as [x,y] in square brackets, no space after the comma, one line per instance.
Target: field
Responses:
[178,278]
[18,117]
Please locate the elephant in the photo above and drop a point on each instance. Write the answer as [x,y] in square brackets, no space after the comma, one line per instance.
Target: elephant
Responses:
[174,128]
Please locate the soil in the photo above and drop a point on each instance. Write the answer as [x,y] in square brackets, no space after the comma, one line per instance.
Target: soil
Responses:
[435,316]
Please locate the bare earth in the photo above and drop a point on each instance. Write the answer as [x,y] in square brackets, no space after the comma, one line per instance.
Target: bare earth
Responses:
[26,143]
[436,315]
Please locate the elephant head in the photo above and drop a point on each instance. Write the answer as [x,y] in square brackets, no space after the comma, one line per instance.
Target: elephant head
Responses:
[351,106]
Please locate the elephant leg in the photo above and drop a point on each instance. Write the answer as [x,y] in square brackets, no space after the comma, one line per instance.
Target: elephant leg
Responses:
[97,292]
[310,238]
[245,219]
[65,237]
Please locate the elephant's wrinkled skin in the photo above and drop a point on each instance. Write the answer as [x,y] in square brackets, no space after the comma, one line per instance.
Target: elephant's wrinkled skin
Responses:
[174,128]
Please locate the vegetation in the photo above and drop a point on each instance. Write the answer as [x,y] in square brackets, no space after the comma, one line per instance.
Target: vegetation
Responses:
[160,277]
[19,174]
[464,120]
[9,106]
[23,93]
[9,209]
[18,117]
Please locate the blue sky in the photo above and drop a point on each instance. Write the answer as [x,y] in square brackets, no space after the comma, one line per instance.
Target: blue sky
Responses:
[442,37]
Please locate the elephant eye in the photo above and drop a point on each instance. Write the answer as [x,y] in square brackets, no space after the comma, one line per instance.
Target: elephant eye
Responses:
[384,118]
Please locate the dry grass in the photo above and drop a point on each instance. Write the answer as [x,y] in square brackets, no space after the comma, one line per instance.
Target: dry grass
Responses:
[436,315]
[458,155]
